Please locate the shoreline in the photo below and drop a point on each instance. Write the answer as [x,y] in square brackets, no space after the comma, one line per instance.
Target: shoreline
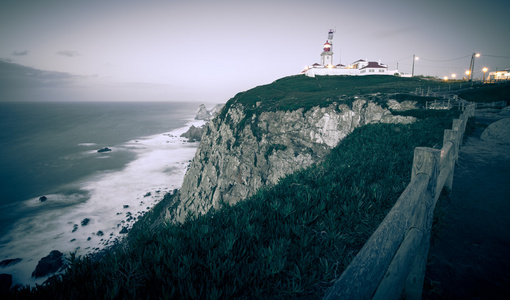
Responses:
[148,151]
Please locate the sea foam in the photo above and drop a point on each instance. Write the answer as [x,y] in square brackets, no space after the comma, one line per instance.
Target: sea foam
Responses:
[105,203]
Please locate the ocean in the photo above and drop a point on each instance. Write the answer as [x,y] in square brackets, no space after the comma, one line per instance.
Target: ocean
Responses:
[50,150]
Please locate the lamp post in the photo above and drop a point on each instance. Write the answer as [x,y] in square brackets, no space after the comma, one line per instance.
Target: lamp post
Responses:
[414,58]
[484,71]
[472,65]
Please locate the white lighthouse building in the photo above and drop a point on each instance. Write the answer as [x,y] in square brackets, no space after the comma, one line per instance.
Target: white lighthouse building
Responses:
[359,67]
[327,54]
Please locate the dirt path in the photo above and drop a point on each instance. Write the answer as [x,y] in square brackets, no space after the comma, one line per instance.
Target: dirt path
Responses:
[471,257]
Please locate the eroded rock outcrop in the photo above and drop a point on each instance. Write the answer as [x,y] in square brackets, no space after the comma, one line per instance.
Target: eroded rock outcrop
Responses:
[49,264]
[207,115]
[194,134]
[241,153]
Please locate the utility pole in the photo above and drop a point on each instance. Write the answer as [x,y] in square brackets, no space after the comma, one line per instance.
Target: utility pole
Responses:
[412,73]
[414,58]
[472,65]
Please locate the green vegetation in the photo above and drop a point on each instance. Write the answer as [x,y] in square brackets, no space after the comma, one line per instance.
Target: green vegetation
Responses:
[290,241]
[488,93]
[301,92]
[296,92]
[418,99]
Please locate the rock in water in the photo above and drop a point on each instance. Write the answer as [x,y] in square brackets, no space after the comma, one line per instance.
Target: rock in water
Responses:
[203,113]
[9,262]
[5,283]
[194,134]
[49,264]
[43,198]
[105,149]
[498,132]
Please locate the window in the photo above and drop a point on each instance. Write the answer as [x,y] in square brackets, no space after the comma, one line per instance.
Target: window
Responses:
[371,70]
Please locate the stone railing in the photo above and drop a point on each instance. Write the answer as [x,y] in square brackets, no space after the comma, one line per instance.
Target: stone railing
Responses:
[392,262]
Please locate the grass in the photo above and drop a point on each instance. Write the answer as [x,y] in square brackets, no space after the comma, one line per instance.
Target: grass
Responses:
[290,241]
[493,92]
[301,92]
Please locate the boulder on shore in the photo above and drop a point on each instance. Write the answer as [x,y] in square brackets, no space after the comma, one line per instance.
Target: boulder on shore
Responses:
[49,264]
[498,132]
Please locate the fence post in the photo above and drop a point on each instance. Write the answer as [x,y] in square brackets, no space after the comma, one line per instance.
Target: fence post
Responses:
[451,136]
[414,284]
[458,126]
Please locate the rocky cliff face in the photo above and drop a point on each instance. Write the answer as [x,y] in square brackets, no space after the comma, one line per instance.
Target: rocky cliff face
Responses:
[239,154]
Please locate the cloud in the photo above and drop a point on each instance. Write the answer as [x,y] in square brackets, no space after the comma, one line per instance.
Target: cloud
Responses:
[20,53]
[22,83]
[14,75]
[68,53]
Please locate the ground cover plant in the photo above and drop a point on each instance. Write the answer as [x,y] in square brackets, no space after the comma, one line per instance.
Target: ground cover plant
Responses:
[488,93]
[296,92]
[288,241]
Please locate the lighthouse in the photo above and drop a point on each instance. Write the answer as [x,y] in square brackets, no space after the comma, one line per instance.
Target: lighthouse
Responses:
[327,53]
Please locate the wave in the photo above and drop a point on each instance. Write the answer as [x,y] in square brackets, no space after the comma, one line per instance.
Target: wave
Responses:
[92,212]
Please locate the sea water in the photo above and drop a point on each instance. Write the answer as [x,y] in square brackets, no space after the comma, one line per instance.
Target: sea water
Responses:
[50,150]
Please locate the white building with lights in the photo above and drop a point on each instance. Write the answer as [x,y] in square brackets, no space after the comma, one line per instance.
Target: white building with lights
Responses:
[357,68]
[499,75]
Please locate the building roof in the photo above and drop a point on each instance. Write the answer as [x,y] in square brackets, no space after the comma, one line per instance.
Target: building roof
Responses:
[374,64]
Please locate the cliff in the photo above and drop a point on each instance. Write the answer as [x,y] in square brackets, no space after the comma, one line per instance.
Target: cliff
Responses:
[247,147]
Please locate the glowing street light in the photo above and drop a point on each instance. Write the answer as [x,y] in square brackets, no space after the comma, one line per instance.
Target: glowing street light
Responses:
[445,78]
[454,75]
[414,58]
[485,69]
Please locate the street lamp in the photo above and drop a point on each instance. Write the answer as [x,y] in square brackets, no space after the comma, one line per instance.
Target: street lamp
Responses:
[454,75]
[414,58]
[484,71]
[472,65]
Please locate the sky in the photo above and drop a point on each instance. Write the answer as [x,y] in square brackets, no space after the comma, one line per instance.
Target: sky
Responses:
[207,51]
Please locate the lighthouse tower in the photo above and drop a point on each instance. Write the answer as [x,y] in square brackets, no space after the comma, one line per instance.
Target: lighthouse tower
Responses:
[327,54]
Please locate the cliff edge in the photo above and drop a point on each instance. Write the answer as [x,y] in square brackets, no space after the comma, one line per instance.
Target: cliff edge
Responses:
[244,149]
